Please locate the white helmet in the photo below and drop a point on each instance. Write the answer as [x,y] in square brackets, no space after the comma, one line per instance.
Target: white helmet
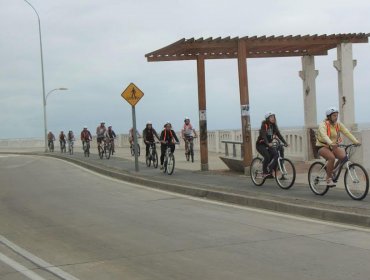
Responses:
[331,110]
[186,118]
[102,122]
[85,127]
[148,122]
[269,114]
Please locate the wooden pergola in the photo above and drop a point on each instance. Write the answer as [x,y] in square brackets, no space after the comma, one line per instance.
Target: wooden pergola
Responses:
[241,49]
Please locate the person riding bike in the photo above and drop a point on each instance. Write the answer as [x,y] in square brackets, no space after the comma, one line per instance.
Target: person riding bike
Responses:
[327,140]
[85,136]
[111,135]
[268,132]
[100,133]
[148,135]
[188,133]
[131,136]
[168,138]
[51,138]
[70,136]
[62,139]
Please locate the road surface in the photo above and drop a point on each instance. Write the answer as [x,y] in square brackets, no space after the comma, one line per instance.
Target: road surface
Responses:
[59,221]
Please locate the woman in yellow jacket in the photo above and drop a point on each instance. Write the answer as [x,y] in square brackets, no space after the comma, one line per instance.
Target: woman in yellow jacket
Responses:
[328,138]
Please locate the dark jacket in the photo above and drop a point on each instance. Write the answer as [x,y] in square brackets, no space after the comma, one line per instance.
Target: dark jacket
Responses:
[168,136]
[267,133]
[148,134]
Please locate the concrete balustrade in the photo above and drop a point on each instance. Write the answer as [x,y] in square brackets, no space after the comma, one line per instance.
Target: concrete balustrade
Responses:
[296,138]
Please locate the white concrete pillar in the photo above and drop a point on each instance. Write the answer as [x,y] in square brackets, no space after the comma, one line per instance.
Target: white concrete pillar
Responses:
[345,65]
[308,75]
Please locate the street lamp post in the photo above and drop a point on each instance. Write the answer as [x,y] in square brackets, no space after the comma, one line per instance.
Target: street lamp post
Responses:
[46,98]
[42,74]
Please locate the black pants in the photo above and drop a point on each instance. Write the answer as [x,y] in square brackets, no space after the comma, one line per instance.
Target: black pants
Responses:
[163,151]
[268,154]
[147,147]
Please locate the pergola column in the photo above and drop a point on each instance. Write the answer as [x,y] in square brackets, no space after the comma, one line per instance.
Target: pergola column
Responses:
[244,104]
[203,134]
[345,65]
[308,75]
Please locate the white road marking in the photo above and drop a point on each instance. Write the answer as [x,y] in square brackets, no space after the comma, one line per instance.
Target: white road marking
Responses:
[36,260]
[20,268]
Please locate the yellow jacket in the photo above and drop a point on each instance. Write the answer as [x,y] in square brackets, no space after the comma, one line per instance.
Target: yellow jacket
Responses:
[323,138]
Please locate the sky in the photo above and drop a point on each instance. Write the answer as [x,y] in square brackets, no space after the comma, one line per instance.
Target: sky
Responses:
[97,48]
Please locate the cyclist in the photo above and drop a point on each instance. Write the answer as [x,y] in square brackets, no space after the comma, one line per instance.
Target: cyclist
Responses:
[100,133]
[168,137]
[51,138]
[269,131]
[62,140]
[327,140]
[111,135]
[70,137]
[85,136]
[131,136]
[188,133]
[148,134]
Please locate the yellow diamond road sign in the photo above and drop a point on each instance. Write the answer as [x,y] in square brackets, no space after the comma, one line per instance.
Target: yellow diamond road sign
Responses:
[132,94]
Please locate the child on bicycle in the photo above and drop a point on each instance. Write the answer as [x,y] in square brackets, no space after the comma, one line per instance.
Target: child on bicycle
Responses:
[168,138]
[268,132]
[327,140]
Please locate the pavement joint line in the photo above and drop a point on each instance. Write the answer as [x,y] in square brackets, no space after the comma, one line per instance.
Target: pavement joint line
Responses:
[36,260]
[265,201]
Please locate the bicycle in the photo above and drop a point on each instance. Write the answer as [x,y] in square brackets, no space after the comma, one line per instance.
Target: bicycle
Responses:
[169,160]
[86,148]
[70,147]
[63,147]
[51,145]
[189,152]
[132,149]
[285,172]
[153,156]
[108,148]
[101,149]
[356,179]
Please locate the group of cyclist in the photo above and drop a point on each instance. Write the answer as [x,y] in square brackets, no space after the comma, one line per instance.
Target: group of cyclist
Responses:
[103,134]
[327,140]
[167,137]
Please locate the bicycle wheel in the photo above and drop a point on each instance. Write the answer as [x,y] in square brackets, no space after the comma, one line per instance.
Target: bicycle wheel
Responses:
[101,152]
[285,174]
[148,160]
[72,150]
[138,150]
[108,151]
[317,178]
[132,150]
[155,159]
[256,172]
[192,151]
[356,181]
[170,164]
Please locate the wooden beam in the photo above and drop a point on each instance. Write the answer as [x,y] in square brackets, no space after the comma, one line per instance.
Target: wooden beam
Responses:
[244,104]
[203,134]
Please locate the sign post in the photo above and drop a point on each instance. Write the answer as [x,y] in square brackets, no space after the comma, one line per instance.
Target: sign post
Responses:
[132,94]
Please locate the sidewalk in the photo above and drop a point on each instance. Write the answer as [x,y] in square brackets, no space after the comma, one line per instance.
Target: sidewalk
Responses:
[223,185]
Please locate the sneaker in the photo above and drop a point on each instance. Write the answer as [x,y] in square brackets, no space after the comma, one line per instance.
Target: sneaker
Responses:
[267,176]
[330,183]
[161,168]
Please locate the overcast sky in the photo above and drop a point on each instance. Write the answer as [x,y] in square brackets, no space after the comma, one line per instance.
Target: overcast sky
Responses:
[96,48]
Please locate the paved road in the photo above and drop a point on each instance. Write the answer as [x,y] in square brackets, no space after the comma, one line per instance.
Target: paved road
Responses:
[92,227]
